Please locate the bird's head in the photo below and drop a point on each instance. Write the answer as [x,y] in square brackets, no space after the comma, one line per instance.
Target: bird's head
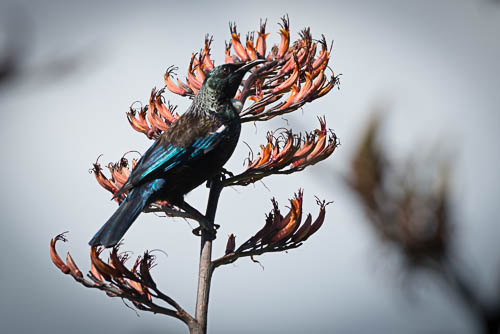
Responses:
[224,80]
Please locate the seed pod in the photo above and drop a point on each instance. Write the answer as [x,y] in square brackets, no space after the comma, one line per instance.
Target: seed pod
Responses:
[275,152]
[228,59]
[118,176]
[102,267]
[254,163]
[285,37]
[327,88]
[261,40]
[157,122]
[171,86]
[238,47]
[301,56]
[285,85]
[207,62]
[303,230]
[251,50]
[231,244]
[318,82]
[323,56]
[135,123]
[320,145]
[305,89]
[305,149]
[138,123]
[55,257]
[119,263]
[257,99]
[145,265]
[200,73]
[95,273]
[103,180]
[290,100]
[75,272]
[288,229]
[287,150]
[265,156]
[318,222]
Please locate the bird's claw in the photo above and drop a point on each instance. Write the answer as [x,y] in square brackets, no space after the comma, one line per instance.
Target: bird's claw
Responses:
[212,231]
[223,175]
[226,173]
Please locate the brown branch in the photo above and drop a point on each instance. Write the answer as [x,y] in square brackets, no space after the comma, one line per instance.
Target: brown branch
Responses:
[137,298]
[232,257]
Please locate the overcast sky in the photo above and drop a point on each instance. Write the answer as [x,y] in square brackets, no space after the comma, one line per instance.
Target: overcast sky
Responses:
[433,64]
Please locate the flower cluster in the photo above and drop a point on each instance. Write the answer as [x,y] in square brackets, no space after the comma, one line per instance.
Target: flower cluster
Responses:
[279,232]
[286,153]
[119,171]
[155,117]
[113,277]
[294,74]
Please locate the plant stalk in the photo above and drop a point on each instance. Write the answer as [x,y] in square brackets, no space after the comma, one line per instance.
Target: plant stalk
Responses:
[205,270]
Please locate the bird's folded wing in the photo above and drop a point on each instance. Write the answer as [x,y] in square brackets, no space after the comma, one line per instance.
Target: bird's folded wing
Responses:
[160,158]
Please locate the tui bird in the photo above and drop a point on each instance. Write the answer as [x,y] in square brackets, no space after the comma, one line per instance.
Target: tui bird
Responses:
[191,151]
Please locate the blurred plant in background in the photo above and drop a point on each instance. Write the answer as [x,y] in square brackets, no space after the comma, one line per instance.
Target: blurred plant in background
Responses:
[408,207]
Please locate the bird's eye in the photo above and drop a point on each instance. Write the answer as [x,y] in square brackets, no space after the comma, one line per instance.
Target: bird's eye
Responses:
[225,70]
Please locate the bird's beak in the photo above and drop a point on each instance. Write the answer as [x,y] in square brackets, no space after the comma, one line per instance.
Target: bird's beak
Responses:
[247,66]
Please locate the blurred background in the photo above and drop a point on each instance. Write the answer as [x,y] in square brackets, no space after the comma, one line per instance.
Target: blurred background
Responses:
[70,70]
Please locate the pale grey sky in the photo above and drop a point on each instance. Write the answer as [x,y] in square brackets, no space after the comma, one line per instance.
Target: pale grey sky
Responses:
[435,64]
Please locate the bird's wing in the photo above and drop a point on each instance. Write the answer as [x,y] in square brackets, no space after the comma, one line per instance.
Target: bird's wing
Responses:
[161,157]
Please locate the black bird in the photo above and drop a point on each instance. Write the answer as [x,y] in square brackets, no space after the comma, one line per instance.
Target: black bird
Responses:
[191,151]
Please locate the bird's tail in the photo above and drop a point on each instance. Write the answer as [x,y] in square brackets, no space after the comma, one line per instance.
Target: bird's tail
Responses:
[116,226]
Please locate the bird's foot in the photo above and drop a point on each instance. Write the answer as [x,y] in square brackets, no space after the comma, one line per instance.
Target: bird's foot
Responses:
[223,175]
[213,231]
[226,173]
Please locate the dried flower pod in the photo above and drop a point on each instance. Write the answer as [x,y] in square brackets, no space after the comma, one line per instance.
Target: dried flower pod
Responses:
[54,256]
[305,90]
[303,231]
[231,244]
[192,81]
[146,264]
[171,86]
[288,229]
[288,83]
[95,274]
[118,262]
[207,62]
[101,179]
[252,53]
[238,47]
[102,267]
[319,220]
[261,39]
[285,36]
[291,98]
[75,272]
